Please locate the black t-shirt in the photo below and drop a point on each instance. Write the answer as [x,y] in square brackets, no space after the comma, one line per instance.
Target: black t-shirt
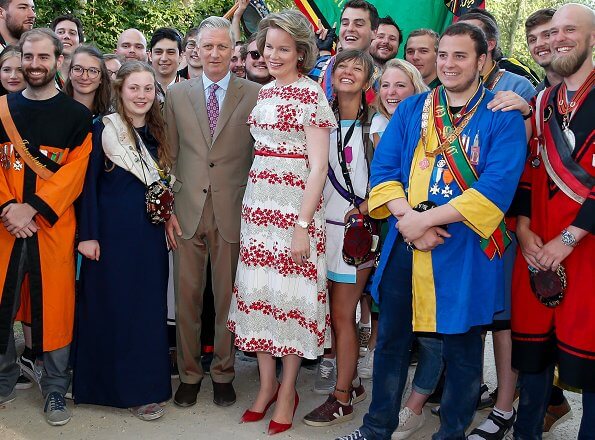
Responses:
[58,122]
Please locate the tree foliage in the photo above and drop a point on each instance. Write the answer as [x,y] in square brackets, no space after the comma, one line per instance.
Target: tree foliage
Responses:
[104,20]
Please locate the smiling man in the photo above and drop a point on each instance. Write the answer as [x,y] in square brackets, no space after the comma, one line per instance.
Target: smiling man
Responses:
[132,45]
[555,230]
[211,154]
[40,179]
[455,155]
[193,66]
[359,22]
[386,44]
[165,54]
[256,68]
[69,30]
[16,17]
[537,32]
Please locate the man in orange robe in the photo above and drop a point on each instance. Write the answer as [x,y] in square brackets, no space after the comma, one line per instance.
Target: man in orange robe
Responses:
[45,143]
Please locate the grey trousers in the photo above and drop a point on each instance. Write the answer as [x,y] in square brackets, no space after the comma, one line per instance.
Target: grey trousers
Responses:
[55,376]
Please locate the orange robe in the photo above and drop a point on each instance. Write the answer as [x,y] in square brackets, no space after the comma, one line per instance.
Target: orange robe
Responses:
[51,250]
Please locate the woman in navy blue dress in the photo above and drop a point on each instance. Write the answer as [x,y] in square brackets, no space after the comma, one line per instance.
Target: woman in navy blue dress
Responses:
[122,357]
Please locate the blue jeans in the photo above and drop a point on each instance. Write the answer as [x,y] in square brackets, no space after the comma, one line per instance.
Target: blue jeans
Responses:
[391,358]
[535,390]
[587,430]
[429,365]
[463,360]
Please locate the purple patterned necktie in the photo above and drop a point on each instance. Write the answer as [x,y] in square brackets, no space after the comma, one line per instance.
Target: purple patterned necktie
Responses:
[213,108]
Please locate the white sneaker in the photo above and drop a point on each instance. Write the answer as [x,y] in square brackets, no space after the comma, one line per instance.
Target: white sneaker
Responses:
[409,422]
[365,366]
[326,376]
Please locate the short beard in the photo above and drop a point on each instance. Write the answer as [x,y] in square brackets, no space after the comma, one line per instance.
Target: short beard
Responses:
[41,82]
[463,87]
[568,64]
[381,60]
[15,29]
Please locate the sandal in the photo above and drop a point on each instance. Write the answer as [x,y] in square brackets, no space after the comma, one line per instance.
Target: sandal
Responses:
[150,411]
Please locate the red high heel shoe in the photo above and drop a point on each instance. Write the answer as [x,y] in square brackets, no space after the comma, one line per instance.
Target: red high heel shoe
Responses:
[275,427]
[253,416]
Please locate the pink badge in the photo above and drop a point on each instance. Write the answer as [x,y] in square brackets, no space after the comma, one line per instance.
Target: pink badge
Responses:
[348,154]
[424,163]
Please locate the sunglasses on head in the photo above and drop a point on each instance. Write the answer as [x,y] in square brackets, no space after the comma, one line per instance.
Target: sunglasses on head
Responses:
[254,54]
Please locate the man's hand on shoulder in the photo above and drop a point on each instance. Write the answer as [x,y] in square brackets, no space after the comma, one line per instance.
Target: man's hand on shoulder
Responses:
[507,100]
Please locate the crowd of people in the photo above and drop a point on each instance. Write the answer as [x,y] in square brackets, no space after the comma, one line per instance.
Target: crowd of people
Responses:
[302,200]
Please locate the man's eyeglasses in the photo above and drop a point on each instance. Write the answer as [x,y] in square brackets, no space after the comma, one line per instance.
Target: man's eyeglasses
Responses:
[254,54]
[92,72]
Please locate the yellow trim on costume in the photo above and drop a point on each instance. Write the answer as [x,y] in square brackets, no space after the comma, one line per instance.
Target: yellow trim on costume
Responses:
[381,195]
[424,292]
[481,215]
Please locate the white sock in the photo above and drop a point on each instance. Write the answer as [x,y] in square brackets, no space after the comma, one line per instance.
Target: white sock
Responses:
[489,426]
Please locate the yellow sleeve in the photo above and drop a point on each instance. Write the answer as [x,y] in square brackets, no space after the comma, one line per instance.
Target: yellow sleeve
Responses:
[481,215]
[381,195]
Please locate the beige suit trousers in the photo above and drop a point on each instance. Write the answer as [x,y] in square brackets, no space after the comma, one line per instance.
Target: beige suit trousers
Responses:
[190,271]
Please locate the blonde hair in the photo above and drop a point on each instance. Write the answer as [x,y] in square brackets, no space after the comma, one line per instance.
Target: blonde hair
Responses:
[412,73]
[299,28]
[9,52]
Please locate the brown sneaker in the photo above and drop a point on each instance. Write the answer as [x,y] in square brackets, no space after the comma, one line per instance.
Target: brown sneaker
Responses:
[329,413]
[555,415]
[358,394]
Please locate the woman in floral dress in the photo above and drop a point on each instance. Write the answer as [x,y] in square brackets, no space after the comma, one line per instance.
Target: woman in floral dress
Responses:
[279,307]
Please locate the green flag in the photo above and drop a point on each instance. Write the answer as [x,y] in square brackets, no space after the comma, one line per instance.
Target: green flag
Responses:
[409,15]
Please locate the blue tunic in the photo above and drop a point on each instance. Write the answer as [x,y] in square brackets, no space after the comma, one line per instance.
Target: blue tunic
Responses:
[466,287]
[121,357]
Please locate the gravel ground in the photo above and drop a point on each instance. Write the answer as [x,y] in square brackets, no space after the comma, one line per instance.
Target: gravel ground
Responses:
[23,419]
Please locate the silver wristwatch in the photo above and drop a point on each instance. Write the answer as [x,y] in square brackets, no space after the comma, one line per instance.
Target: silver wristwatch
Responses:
[568,238]
[302,224]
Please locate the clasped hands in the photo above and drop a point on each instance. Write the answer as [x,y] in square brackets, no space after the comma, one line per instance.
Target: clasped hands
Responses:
[417,229]
[542,256]
[17,218]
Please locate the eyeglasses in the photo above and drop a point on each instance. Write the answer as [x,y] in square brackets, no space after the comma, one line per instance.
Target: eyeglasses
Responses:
[191,45]
[254,54]
[112,73]
[92,72]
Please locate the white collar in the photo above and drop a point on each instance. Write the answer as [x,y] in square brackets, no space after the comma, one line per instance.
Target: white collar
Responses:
[222,83]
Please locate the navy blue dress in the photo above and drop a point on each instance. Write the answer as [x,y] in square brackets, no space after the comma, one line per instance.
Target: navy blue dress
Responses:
[121,355]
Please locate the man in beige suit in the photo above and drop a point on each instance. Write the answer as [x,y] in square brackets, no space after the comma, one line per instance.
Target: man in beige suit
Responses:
[212,153]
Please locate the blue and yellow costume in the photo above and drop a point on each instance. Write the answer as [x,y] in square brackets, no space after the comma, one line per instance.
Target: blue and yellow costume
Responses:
[456,286]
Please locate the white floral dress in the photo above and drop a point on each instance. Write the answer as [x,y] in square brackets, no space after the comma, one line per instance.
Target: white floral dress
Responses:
[279,307]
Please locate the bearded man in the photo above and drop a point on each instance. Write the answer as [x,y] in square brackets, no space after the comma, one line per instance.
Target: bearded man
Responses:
[552,300]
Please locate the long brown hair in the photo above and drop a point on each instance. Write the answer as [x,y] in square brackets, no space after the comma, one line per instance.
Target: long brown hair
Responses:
[154,119]
[102,99]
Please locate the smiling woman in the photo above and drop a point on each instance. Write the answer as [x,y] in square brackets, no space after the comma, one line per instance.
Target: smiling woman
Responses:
[11,74]
[88,80]
[125,269]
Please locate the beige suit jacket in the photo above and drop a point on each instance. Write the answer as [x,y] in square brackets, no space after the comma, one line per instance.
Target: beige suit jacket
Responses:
[200,162]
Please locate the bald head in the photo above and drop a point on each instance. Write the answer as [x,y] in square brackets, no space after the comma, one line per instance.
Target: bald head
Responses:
[132,45]
[572,38]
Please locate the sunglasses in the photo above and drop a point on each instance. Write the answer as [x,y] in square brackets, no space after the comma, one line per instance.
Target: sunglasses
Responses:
[254,54]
